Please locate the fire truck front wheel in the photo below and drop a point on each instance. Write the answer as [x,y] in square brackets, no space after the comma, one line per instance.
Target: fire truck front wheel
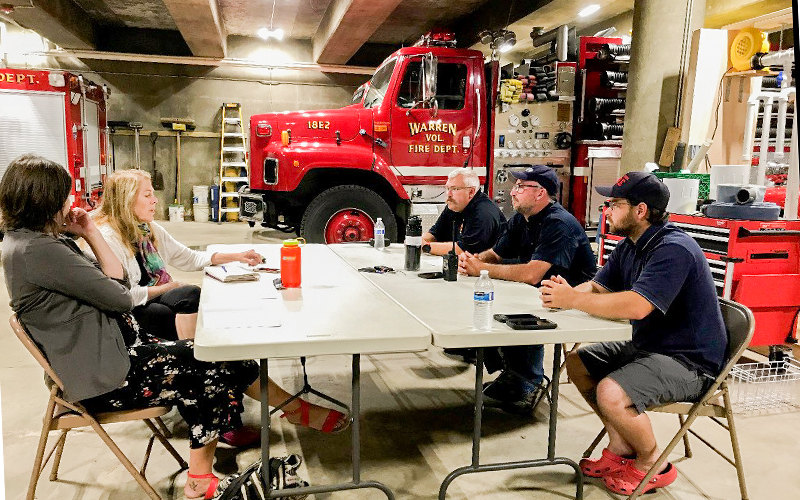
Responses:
[346,213]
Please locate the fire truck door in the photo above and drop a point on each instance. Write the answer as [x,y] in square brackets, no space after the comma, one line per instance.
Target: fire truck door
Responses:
[32,122]
[427,144]
[91,157]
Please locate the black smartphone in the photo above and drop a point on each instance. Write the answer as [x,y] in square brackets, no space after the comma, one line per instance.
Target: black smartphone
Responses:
[502,318]
[431,276]
[535,323]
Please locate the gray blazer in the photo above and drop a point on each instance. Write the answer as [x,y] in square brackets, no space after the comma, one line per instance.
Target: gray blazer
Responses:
[63,299]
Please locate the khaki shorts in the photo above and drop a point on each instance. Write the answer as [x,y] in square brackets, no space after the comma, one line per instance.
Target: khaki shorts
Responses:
[649,379]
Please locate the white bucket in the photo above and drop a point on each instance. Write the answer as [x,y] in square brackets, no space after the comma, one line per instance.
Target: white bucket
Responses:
[201,213]
[200,195]
[727,174]
[683,195]
[176,213]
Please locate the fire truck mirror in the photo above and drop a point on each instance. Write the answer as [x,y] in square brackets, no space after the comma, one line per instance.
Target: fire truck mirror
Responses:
[428,77]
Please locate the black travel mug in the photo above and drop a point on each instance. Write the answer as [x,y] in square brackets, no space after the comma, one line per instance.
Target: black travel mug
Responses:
[413,243]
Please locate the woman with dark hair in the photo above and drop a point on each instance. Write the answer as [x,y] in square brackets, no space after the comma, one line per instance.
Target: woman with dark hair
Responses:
[78,312]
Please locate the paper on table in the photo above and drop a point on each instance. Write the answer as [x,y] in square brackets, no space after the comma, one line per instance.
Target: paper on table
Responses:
[268,316]
[247,296]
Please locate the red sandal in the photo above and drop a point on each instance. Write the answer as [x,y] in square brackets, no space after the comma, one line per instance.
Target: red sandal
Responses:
[212,486]
[628,479]
[333,424]
[608,463]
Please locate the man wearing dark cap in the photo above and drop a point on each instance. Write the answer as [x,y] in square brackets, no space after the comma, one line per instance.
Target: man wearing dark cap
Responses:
[659,279]
[543,240]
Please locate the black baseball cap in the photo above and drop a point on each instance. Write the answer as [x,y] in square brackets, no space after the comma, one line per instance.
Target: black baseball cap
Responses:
[542,174]
[640,187]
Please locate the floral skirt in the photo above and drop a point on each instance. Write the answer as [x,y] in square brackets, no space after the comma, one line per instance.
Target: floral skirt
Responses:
[208,394]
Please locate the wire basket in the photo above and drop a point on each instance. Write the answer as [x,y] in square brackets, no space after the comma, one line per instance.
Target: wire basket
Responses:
[773,385]
[705,181]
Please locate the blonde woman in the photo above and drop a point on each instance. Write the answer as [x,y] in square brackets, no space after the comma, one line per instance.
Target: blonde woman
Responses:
[125,219]
[168,309]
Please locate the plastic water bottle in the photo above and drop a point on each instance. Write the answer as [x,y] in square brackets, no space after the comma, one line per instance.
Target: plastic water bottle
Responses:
[482,300]
[380,232]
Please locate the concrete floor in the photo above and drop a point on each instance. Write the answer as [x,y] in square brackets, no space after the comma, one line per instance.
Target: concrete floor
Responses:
[416,427]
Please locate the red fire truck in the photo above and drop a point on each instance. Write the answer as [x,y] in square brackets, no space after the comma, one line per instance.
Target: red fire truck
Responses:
[60,116]
[329,174]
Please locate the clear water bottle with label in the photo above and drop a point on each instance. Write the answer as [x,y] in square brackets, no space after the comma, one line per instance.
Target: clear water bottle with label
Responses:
[483,298]
[380,233]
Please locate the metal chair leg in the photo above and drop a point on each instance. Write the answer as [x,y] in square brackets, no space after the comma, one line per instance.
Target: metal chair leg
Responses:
[59,449]
[124,460]
[171,449]
[664,454]
[737,456]
[37,461]
[590,449]
[687,449]
[164,430]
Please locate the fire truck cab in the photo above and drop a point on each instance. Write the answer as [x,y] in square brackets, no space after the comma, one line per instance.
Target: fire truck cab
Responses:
[329,174]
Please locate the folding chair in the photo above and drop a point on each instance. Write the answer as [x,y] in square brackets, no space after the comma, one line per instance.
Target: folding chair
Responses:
[63,415]
[739,324]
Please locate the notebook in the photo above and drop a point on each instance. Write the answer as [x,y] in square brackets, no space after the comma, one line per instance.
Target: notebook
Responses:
[228,273]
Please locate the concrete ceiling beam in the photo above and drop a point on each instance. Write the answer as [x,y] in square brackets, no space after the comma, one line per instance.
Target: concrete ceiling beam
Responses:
[200,25]
[60,21]
[346,26]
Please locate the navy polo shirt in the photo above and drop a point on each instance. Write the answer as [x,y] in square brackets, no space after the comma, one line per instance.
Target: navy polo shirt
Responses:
[668,268]
[478,226]
[552,235]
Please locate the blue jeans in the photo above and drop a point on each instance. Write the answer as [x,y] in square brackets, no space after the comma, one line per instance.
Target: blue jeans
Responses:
[525,361]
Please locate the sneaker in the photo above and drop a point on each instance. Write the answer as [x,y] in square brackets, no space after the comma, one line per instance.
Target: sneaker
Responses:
[467,355]
[515,394]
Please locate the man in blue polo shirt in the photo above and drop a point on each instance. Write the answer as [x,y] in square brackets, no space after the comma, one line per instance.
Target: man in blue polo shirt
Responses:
[542,240]
[659,279]
[475,218]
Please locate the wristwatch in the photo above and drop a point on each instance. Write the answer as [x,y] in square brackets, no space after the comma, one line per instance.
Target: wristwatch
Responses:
[426,248]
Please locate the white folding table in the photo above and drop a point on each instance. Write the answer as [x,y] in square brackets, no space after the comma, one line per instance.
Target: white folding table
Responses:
[234,324]
[446,310]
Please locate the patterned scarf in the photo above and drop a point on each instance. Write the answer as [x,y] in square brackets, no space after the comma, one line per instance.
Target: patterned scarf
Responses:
[151,260]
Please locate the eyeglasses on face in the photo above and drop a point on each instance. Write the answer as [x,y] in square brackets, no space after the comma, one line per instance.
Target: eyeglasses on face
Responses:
[520,188]
[449,189]
[613,205]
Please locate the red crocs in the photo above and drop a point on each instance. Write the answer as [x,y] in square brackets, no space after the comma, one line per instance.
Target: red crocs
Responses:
[626,480]
[608,463]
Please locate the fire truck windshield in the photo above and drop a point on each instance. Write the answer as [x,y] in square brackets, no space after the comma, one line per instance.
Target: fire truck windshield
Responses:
[379,84]
[359,93]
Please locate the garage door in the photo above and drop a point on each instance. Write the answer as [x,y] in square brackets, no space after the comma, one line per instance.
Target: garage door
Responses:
[32,122]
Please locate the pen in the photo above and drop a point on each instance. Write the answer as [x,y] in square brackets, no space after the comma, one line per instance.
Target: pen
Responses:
[223,268]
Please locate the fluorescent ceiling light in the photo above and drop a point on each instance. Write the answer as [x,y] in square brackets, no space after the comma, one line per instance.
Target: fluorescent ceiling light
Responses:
[588,11]
[267,33]
[505,47]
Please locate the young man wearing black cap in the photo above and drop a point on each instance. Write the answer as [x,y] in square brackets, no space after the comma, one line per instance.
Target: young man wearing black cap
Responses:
[659,279]
[546,241]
